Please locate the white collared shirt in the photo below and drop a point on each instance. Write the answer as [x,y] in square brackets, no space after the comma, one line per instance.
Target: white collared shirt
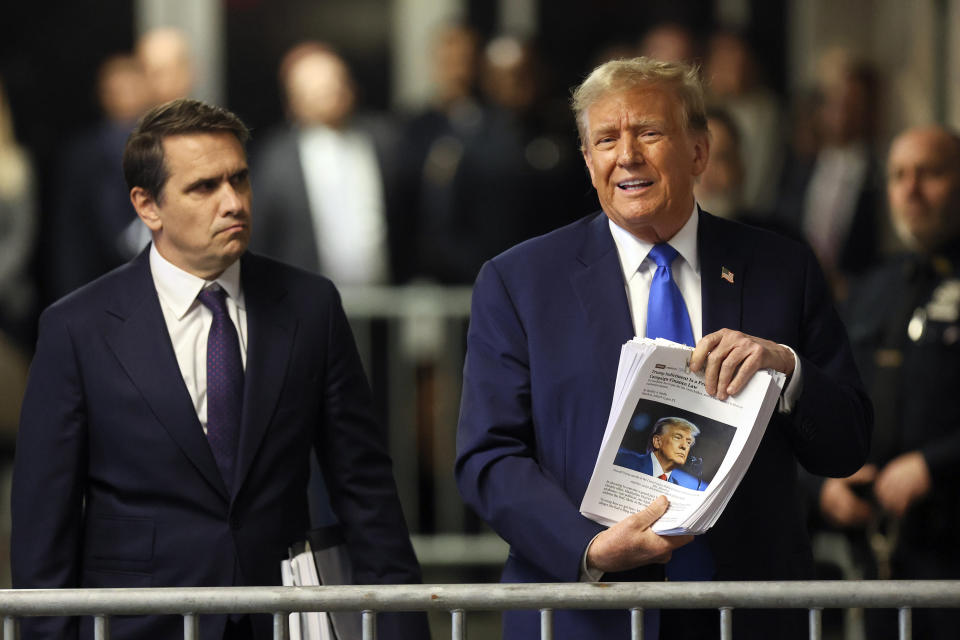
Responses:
[188,320]
[656,469]
[638,270]
[345,194]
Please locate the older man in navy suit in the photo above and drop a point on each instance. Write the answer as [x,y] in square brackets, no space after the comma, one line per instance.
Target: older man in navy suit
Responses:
[172,404]
[548,320]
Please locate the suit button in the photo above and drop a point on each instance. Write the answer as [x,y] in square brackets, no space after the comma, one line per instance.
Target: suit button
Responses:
[234,521]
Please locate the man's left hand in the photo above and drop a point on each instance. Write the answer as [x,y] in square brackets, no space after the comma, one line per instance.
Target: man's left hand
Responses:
[730,358]
[901,482]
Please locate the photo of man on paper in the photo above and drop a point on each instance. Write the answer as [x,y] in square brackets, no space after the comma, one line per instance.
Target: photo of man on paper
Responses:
[673,449]
[668,449]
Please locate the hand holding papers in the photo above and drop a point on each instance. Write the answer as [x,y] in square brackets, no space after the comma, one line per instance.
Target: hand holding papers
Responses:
[666,436]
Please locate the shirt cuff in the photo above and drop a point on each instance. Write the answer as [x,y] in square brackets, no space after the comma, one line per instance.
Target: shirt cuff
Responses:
[790,395]
[586,575]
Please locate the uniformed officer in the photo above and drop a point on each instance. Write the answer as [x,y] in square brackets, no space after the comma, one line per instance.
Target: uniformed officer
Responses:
[903,507]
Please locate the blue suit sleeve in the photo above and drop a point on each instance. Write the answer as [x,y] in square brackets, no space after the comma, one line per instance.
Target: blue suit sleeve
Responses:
[497,468]
[833,419]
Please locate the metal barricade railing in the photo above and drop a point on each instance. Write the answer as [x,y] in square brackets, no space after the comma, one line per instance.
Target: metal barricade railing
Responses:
[458,599]
[412,341]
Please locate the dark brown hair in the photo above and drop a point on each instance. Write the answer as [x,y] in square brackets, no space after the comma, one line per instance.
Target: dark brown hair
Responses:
[143,161]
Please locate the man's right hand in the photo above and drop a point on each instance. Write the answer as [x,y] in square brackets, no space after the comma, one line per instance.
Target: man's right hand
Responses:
[840,505]
[631,543]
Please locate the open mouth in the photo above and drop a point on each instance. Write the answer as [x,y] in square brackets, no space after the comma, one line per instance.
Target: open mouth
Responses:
[634,185]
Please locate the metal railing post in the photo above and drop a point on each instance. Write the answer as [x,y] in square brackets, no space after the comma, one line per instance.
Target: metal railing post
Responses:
[546,624]
[726,623]
[816,623]
[191,626]
[636,623]
[281,626]
[906,623]
[458,625]
[101,628]
[10,628]
[369,625]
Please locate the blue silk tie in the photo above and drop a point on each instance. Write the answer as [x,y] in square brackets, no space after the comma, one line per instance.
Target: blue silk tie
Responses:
[224,384]
[667,317]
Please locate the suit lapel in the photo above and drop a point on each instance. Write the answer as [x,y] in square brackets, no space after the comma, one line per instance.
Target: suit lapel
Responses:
[603,298]
[271,328]
[721,299]
[142,345]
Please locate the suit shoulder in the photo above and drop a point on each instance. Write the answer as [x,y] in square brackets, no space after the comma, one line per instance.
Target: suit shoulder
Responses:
[97,293]
[546,249]
[262,271]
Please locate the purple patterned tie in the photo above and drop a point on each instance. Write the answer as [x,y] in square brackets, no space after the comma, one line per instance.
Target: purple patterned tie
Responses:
[224,383]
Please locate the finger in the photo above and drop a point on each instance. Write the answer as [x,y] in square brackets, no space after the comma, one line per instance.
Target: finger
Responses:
[703,349]
[678,541]
[644,519]
[728,370]
[716,359]
[748,366]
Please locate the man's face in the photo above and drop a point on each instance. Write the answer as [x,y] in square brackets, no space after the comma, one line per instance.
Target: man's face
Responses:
[673,446]
[923,188]
[319,90]
[642,160]
[201,223]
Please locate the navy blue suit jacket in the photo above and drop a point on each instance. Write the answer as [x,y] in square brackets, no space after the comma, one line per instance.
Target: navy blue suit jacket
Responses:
[643,462]
[115,484]
[547,322]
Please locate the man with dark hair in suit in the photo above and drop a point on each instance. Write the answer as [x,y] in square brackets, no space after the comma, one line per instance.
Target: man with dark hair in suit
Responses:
[549,317]
[172,404]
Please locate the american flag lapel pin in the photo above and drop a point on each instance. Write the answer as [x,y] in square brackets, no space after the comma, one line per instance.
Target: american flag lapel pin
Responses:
[726,274]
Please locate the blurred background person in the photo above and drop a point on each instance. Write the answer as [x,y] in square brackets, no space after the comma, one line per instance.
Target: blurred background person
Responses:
[720,188]
[833,196]
[435,142]
[18,228]
[523,169]
[324,178]
[733,83]
[168,64]
[93,227]
[902,510]
[671,42]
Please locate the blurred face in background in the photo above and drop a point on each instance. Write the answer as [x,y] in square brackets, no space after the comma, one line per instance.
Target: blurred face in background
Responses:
[320,90]
[456,62]
[923,187]
[122,89]
[720,187]
[167,62]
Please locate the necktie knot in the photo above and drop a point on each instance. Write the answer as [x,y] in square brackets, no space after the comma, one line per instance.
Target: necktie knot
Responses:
[215,299]
[663,254]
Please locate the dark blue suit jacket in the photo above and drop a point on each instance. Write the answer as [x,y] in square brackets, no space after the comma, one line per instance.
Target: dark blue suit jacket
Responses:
[643,462]
[115,484]
[547,322]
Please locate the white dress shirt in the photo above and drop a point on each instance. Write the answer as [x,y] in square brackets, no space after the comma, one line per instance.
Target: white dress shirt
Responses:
[188,320]
[345,193]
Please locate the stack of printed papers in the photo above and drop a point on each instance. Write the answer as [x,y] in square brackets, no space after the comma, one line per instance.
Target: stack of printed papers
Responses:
[666,436]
